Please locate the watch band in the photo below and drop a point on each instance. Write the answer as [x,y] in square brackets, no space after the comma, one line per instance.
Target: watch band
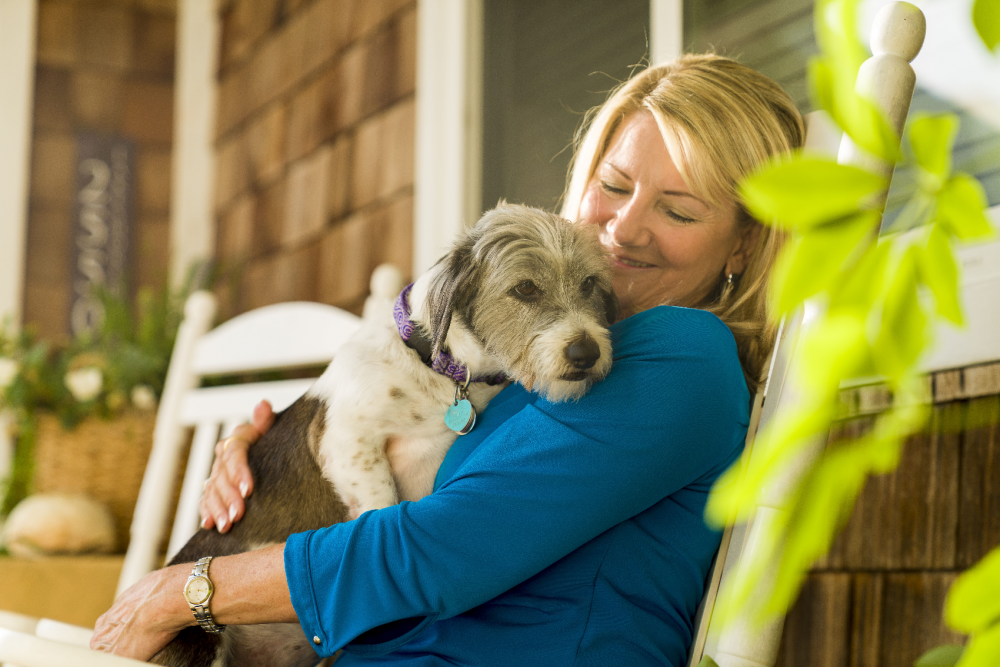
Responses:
[201,612]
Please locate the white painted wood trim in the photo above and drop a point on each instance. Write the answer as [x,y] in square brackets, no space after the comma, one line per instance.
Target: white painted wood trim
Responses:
[666,30]
[151,508]
[17,71]
[199,465]
[448,138]
[18,648]
[192,219]
[978,341]
[257,340]
[65,633]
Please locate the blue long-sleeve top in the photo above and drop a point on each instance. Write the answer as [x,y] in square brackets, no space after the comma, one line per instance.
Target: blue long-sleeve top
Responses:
[558,533]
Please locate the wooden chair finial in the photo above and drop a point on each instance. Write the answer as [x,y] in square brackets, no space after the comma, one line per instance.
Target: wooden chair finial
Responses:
[200,305]
[898,30]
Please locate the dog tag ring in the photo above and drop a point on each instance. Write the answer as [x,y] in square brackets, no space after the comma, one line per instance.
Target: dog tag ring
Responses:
[461,415]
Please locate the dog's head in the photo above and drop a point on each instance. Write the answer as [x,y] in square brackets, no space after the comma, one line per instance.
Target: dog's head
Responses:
[535,291]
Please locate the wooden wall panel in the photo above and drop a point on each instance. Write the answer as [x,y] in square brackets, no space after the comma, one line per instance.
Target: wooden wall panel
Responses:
[979,508]
[817,633]
[315,147]
[911,533]
[101,67]
[912,608]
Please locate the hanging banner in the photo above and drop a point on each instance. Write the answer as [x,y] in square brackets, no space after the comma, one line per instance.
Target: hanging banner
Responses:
[102,224]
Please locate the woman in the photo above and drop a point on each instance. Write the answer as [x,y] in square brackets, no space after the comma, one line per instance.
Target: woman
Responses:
[557,533]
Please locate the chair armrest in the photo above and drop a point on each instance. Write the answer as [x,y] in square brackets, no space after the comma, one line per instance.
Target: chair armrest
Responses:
[26,650]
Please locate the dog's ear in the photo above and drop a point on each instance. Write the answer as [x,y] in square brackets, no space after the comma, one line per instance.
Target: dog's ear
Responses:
[454,283]
[611,309]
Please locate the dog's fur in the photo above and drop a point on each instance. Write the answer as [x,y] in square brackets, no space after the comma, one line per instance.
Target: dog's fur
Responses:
[370,432]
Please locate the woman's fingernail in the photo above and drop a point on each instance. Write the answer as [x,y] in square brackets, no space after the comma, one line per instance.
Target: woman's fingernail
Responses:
[232,512]
[204,522]
[222,523]
[243,489]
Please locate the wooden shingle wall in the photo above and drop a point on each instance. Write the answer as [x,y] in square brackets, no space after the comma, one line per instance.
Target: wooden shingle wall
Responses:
[104,67]
[314,147]
[877,599]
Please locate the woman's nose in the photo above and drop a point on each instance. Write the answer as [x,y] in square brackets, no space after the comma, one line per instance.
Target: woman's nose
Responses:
[628,226]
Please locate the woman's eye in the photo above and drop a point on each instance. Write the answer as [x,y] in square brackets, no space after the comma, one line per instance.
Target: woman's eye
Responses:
[678,217]
[613,189]
[587,286]
[526,288]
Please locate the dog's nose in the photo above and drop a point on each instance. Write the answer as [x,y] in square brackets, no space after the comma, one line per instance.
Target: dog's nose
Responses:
[583,352]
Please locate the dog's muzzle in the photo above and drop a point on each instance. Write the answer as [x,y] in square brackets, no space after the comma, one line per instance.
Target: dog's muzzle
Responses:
[583,353]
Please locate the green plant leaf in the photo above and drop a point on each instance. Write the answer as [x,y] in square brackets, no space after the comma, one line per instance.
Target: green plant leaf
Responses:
[832,348]
[836,27]
[939,272]
[822,87]
[961,207]
[812,262]
[903,333]
[983,649]
[867,126]
[805,191]
[940,656]
[932,138]
[973,602]
[986,19]
[862,285]
[735,491]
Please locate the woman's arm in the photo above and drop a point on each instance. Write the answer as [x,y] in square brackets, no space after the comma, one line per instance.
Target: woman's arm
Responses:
[672,413]
[249,588]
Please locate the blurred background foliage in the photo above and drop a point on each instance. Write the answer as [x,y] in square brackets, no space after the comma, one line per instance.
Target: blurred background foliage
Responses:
[122,363]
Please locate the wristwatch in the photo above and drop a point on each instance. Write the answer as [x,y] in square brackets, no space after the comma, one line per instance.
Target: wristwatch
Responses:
[198,591]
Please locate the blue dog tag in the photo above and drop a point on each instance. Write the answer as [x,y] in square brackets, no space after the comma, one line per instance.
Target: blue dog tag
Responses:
[460,417]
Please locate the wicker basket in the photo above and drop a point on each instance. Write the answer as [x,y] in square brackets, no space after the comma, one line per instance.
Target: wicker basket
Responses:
[104,459]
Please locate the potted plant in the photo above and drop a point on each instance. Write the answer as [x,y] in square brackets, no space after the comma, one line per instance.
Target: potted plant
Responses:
[82,412]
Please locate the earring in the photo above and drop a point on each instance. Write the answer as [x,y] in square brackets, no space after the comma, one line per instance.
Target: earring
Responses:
[727,287]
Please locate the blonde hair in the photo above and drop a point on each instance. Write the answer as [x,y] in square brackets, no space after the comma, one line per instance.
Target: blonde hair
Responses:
[720,120]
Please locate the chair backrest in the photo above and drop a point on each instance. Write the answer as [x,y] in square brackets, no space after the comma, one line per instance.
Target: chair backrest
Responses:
[740,642]
[278,337]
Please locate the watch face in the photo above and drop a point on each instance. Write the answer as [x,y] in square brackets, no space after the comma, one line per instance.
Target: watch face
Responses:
[197,590]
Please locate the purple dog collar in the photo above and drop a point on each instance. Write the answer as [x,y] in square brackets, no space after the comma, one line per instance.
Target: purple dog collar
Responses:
[443,363]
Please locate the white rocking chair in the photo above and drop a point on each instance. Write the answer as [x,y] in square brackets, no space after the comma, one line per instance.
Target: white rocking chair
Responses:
[283,336]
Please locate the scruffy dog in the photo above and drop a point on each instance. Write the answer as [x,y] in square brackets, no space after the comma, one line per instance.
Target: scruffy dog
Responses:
[524,296]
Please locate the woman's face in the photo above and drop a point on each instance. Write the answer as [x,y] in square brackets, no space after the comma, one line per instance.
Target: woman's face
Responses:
[668,246]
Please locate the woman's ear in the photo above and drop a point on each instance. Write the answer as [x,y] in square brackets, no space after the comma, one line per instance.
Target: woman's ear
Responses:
[749,235]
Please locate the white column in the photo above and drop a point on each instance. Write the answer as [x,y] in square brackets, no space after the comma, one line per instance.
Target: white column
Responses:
[666,30]
[192,219]
[448,125]
[17,72]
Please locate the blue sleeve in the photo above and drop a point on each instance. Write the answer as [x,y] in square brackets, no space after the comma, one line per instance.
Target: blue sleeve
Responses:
[551,478]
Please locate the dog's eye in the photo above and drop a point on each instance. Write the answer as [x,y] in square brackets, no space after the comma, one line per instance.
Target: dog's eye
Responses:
[587,286]
[526,288]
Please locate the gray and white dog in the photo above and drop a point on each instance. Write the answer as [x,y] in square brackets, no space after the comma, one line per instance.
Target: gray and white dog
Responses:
[524,295]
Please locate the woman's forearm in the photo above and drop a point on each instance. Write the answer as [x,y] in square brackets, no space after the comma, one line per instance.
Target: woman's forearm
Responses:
[249,588]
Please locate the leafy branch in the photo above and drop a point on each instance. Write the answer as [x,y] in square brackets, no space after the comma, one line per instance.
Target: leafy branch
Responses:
[873,301]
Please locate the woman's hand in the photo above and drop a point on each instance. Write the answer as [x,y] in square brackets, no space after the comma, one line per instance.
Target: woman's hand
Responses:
[230,482]
[145,617]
